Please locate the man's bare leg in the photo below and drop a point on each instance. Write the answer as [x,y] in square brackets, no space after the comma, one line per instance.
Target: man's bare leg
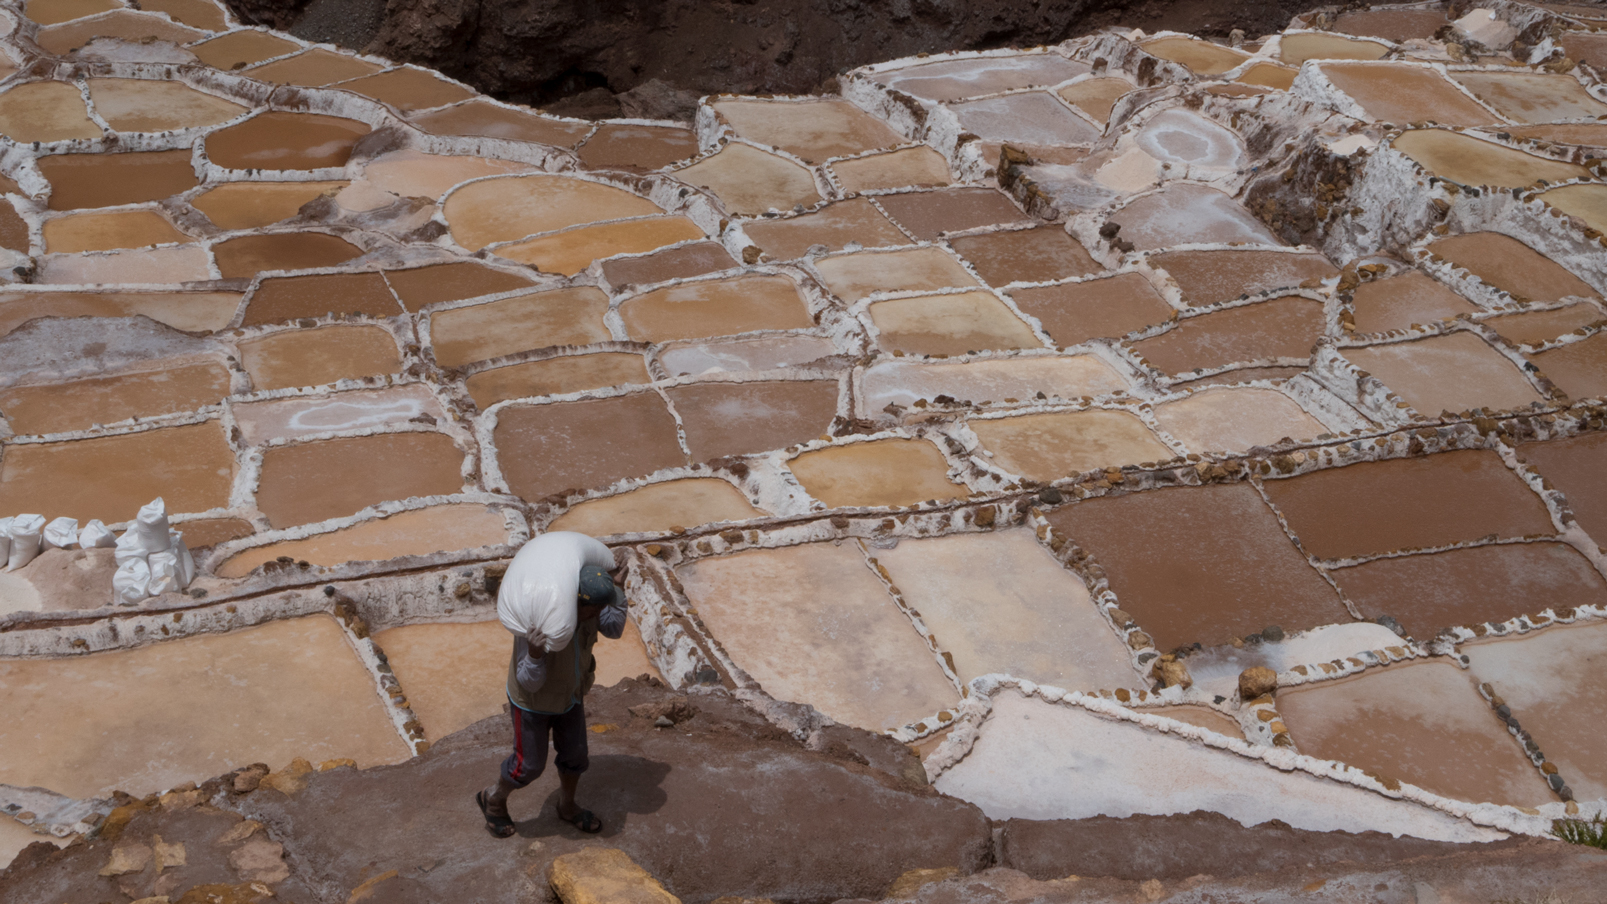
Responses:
[567,783]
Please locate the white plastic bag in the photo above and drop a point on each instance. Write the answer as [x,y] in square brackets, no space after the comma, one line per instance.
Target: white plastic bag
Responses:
[131,580]
[25,533]
[538,592]
[129,548]
[96,535]
[186,562]
[61,533]
[5,539]
[164,569]
[151,526]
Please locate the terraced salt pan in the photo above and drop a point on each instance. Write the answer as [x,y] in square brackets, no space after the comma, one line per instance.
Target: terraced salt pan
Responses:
[1190,140]
[1216,670]
[1233,420]
[1527,97]
[1298,48]
[547,449]
[190,311]
[127,25]
[735,355]
[1511,266]
[1022,614]
[1579,369]
[482,118]
[681,262]
[407,89]
[1471,161]
[929,214]
[950,324]
[441,283]
[149,105]
[1397,302]
[572,316]
[281,299]
[313,67]
[150,718]
[1269,75]
[500,210]
[76,233]
[1037,760]
[280,140]
[1202,57]
[812,624]
[1278,328]
[206,532]
[107,180]
[316,481]
[170,387]
[1576,467]
[1051,446]
[1406,503]
[573,250]
[1096,96]
[832,227]
[1031,118]
[1422,723]
[1548,678]
[917,166]
[813,130]
[1536,327]
[556,376]
[1455,372]
[1404,93]
[973,76]
[658,508]
[888,472]
[751,181]
[1068,377]
[1073,313]
[1586,202]
[421,532]
[414,174]
[1038,254]
[1426,593]
[249,205]
[1210,277]
[638,148]
[51,12]
[318,356]
[241,48]
[721,419]
[366,409]
[1182,213]
[1588,134]
[202,14]
[1396,25]
[716,307]
[45,111]
[853,276]
[247,255]
[181,264]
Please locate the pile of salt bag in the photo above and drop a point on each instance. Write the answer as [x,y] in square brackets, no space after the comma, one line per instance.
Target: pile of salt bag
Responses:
[538,592]
[24,537]
[151,557]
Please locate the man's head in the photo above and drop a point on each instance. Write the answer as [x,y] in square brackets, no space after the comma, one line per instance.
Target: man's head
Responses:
[596,591]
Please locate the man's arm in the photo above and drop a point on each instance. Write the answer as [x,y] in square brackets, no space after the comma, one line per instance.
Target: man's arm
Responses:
[531,670]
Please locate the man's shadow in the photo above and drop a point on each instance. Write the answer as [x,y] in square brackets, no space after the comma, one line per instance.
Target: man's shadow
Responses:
[615,787]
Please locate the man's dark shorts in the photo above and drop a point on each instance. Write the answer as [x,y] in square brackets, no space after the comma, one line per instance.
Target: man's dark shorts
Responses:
[529,755]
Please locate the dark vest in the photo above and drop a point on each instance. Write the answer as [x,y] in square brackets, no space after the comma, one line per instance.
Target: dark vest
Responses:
[570,673]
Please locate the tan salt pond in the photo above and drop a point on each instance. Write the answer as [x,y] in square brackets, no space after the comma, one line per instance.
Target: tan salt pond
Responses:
[247,255]
[888,472]
[1202,717]
[1574,466]
[826,631]
[659,507]
[150,105]
[479,332]
[297,417]
[929,214]
[124,24]
[278,299]
[1531,97]
[332,478]
[318,356]
[45,111]
[917,166]
[1579,368]
[1184,212]
[556,376]
[1588,203]
[1201,56]
[203,14]
[440,283]
[949,324]
[974,76]
[1209,277]
[408,89]
[716,307]
[565,446]
[50,12]
[1033,117]
[1391,24]
[148,719]
[108,180]
[1269,75]
[280,140]
[633,147]
[1296,49]
[1022,615]
[683,262]
[485,119]
[500,210]
[248,205]
[1048,447]
[1508,264]
[77,405]
[241,48]
[312,68]
[1233,420]
[813,130]
[1038,254]
[1073,313]
[109,478]
[720,419]
[1535,327]
[422,532]
[1056,376]
[572,250]
[854,276]
[1455,372]
[414,174]
[1403,93]
[1588,134]
[107,231]
[150,266]
[833,226]
[1398,302]
[1422,723]
[1470,161]
[202,312]
[1280,328]
[1096,96]
[750,181]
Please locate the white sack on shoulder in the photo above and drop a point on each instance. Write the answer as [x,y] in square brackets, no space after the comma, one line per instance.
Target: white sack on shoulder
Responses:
[131,580]
[61,533]
[539,590]
[96,535]
[5,539]
[25,533]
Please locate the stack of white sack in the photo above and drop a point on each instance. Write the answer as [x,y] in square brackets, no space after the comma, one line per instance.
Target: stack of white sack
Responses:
[539,590]
[151,557]
[24,537]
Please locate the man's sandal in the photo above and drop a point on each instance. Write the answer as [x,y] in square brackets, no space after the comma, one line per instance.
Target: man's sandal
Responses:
[498,826]
[585,820]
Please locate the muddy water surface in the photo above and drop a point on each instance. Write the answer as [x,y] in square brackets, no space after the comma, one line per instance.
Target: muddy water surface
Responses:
[716,307]
[1073,313]
[918,166]
[891,472]
[751,181]
[951,324]
[279,140]
[853,276]
[318,356]
[929,214]
[332,478]
[108,231]
[813,130]
[501,210]
[1579,369]
[683,262]
[278,299]
[546,449]
[1397,302]
[1040,254]
[106,180]
[573,250]
[1209,277]
[486,119]
[456,281]
[45,111]
[408,89]
[1400,93]
[60,407]
[1510,265]
[721,419]
[190,311]
[312,68]
[248,255]
[248,205]
[634,147]
[480,332]
[1280,328]
[422,532]
[1048,447]
[833,226]
[147,105]
[1470,161]
[659,507]
[556,376]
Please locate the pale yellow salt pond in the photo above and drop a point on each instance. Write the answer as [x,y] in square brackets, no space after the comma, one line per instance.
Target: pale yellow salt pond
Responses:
[1455,372]
[716,307]
[1586,202]
[501,210]
[1202,57]
[169,386]
[319,356]
[122,24]
[51,12]
[572,250]
[1051,446]
[480,332]
[421,532]
[1532,97]
[812,624]
[415,174]
[814,130]
[241,48]
[45,111]
[1296,49]
[151,105]
[408,89]
[853,276]
[248,205]
[454,675]
[486,119]
[1471,161]
[951,324]
[1233,420]
[888,472]
[659,507]
[750,181]
[1096,96]
[150,718]
[1269,75]
[78,232]
[918,166]
[312,68]
[987,381]
[555,376]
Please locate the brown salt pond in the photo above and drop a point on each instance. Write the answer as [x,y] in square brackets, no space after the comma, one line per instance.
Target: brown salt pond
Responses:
[1584,202]
[1458,371]
[148,266]
[280,140]
[566,446]
[408,89]
[974,76]
[1587,134]
[556,376]
[1397,302]
[1578,467]
[721,419]
[110,477]
[813,130]
[238,49]
[573,250]
[1408,503]
[1056,376]
[929,214]
[1240,375]
[683,262]
[512,207]
[1096,96]
[659,508]
[312,68]
[1406,93]
[750,181]
[1536,327]
[833,226]
[1202,57]
[1023,615]
[108,231]
[456,281]
[1579,369]
[888,472]
[421,532]
[751,354]
[1210,277]
[633,147]
[1202,717]
[13,229]
[248,205]
[1531,97]
[1049,447]
[1422,723]
[319,356]
[917,166]
[1472,161]
[1269,75]
[1233,420]
[149,105]
[77,405]
[202,533]
[202,14]
[1182,213]
[364,409]
[45,111]
[1549,679]
[1038,254]
[126,25]
[716,307]
[1391,24]
[282,298]
[1296,49]
[332,478]
[1426,593]
[415,174]
[108,180]
[51,12]
[952,324]
[1511,266]
[151,718]
[201,312]
[480,332]
[854,276]
[1073,313]
[1280,328]
[827,630]
[486,119]
[247,255]
[1200,564]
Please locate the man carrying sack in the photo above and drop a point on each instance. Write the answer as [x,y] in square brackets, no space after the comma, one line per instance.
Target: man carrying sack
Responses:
[557,596]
